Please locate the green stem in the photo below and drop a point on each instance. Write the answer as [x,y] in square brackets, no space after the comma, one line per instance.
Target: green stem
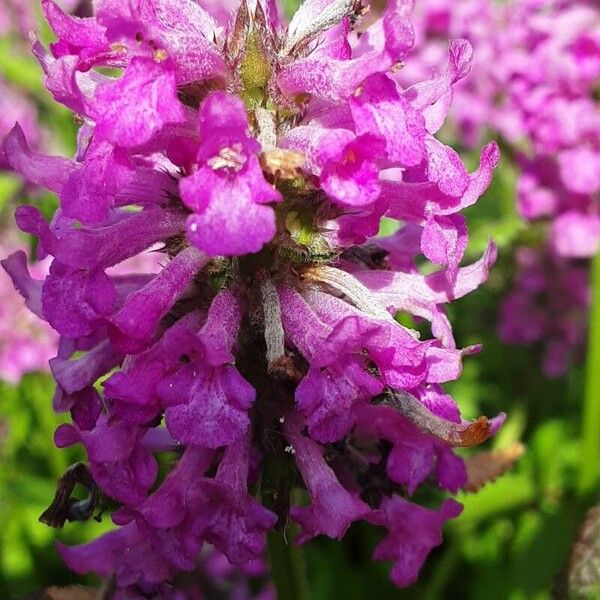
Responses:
[590,444]
[287,568]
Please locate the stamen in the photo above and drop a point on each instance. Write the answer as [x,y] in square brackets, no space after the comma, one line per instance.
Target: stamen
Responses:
[230,157]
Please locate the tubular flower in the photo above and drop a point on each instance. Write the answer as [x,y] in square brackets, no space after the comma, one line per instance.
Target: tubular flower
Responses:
[259,158]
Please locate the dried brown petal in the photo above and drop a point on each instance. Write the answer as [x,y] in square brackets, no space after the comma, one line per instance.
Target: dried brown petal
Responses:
[357,293]
[265,32]
[239,34]
[455,434]
[486,467]
[63,507]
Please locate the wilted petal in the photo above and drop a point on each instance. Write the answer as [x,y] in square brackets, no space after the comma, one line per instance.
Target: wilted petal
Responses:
[464,434]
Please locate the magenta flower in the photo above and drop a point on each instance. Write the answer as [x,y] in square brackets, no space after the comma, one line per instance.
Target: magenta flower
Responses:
[257,158]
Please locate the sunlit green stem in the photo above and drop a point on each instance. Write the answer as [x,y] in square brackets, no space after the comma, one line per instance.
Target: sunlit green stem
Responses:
[589,473]
[288,569]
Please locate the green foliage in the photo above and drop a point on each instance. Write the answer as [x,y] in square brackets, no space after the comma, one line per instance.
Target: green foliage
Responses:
[30,468]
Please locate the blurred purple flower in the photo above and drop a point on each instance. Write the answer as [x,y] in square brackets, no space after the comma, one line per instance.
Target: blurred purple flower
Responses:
[26,343]
[550,305]
[533,84]
[16,107]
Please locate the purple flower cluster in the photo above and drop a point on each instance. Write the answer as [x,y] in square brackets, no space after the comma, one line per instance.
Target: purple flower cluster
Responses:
[534,83]
[258,158]
[549,304]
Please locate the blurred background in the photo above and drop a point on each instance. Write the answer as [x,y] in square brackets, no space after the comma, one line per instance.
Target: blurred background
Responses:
[516,538]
